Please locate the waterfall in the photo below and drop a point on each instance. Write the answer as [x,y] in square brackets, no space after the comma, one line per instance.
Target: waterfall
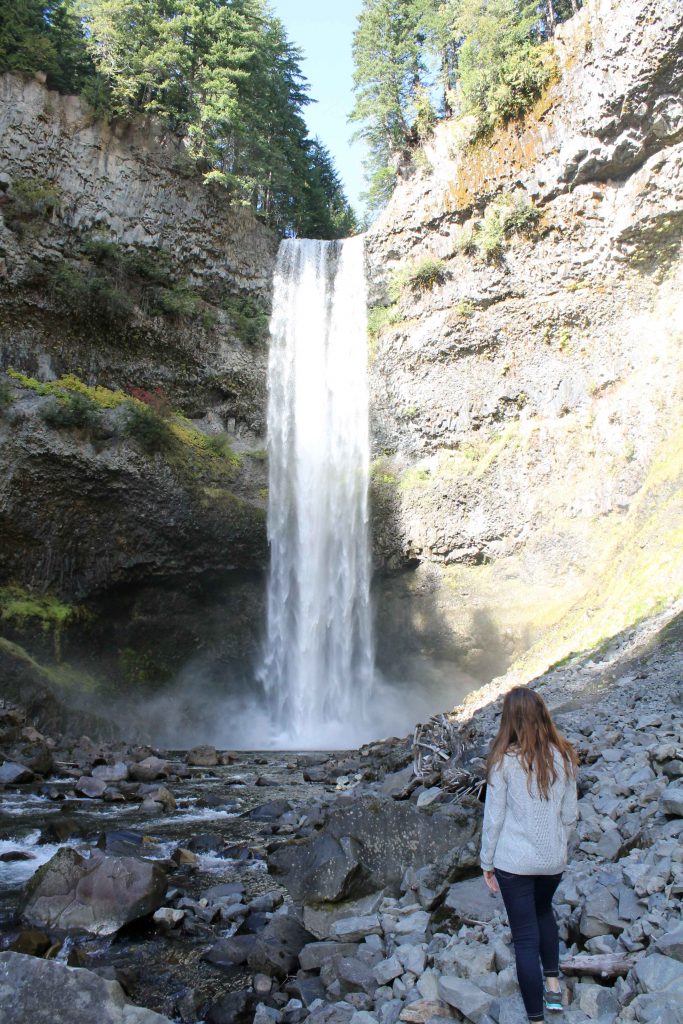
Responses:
[318,659]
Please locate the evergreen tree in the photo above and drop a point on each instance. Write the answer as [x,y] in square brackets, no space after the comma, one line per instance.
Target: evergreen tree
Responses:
[47,37]
[389,67]
[502,68]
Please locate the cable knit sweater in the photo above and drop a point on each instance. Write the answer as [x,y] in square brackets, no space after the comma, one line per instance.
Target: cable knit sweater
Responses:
[523,833]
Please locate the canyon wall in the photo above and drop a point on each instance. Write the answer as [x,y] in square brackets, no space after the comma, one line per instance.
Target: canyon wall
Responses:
[122,272]
[526,384]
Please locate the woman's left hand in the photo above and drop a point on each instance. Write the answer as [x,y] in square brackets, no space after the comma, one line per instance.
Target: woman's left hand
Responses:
[490,879]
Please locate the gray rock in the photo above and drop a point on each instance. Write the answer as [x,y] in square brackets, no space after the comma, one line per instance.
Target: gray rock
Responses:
[671,943]
[277,947]
[363,1017]
[429,796]
[12,774]
[202,757]
[400,784]
[355,975]
[596,1001]
[671,800]
[661,975]
[472,900]
[512,1010]
[322,868]
[93,788]
[169,917]
[314,954]
[111,772]
[233,950]
[320,917]
[600,914]
[651,1008]
[428,985]
[149,769]
[386,970]
[97,895]
[35,991]
[468,999]
[393,836]
[353,929]
[412,957]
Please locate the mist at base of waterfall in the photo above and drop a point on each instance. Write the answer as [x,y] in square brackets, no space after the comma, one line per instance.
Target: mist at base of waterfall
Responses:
[197,711]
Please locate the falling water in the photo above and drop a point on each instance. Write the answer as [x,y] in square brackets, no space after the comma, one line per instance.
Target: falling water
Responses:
[318,658]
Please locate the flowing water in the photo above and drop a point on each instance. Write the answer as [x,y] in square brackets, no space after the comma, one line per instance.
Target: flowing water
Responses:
[318,662]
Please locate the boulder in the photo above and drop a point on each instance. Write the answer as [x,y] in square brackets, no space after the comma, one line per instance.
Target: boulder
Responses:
[233,1008]
[231,951]
[671,800]
[90,787]
[671,943]
[320,917]
[98,894]
[35,991]
[386,970]
[377,839]
[314,954]
[661,975]
[471,1001]
[202,757]
[353,929]
[149,769]
[600,914]
[471,900]
[321,868]
[35,755]
[159,795]
[276,949]
[111,772]
[13,774]
[400,784]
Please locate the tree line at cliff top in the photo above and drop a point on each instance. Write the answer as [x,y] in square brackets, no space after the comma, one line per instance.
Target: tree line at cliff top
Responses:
[417,61]
[220,73]
[224,75]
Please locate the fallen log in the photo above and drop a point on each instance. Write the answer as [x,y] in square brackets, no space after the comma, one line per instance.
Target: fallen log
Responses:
[599,965]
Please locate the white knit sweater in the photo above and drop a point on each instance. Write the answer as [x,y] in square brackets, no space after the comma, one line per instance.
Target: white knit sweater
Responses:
[524,833]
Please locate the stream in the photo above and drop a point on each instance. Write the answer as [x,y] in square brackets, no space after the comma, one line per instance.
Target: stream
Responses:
[157,966]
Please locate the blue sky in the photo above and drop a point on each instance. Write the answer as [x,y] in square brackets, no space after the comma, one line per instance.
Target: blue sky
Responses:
[324,31]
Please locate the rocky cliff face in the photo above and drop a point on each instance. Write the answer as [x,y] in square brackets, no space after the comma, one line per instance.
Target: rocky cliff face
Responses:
[527,382]
[122,273]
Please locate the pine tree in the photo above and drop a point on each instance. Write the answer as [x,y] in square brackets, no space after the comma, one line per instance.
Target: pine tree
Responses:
[501,68]
[389,67]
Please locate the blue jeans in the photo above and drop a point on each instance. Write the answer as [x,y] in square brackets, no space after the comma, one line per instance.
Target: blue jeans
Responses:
[528,901]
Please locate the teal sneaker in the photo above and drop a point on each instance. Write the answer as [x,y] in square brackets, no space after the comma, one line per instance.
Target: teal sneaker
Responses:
[552,1000]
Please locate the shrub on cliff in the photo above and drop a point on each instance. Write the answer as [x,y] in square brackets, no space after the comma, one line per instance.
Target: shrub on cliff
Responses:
[147,427]
[421,276]
[503,64]
[87,293]
[71,410]
[31,200]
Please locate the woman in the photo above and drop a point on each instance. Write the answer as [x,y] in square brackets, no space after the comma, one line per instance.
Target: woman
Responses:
[530,804]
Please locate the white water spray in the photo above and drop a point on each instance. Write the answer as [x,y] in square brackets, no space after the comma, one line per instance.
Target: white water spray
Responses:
[318,660]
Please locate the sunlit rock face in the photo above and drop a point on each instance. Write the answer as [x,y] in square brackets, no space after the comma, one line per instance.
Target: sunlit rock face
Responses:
[526,408]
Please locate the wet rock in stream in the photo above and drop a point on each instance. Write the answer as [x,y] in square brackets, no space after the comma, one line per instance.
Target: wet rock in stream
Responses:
[97,895]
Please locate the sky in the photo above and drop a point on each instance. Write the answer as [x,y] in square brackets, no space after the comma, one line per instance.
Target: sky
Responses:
[324,31]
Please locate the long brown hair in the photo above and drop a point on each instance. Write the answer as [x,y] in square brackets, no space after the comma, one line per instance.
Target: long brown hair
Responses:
[527,728]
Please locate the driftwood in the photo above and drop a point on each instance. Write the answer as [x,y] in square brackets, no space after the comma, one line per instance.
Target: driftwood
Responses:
[439,746]
[599,965]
